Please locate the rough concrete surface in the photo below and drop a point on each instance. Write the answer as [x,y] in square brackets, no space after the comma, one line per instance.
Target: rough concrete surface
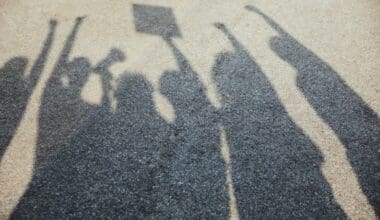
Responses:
[189,109]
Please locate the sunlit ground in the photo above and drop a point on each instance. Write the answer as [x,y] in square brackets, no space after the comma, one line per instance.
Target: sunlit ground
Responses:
[316,92]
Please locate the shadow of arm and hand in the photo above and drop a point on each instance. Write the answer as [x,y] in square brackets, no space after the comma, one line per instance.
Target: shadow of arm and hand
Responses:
[353,121]
[16,88]
[196,176]
[69,43]
[275,167]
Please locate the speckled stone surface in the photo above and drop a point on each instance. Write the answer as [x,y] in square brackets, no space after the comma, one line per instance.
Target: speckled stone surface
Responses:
[189,110]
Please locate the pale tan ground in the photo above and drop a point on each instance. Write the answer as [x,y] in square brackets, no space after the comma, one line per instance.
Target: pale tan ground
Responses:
[343,33]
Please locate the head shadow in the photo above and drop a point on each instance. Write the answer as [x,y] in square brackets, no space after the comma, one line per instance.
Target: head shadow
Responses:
[14,68]
[134,92]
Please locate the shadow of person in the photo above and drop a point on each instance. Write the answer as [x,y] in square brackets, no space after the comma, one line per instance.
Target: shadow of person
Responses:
[109,167]
[195,181]
[62,106]
[141,135]
[275,167]
[354,122]
[16,88]
[196,170]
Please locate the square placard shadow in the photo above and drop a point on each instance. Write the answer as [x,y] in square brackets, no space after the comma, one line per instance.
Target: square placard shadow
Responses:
[155,20]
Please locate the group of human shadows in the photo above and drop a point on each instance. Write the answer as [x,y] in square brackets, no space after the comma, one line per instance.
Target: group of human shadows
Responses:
[130,162]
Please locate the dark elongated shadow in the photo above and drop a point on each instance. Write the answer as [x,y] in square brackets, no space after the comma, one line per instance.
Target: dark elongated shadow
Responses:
[16,88]
[196,169]
[62,106]
[275,167]
[353,121]
[195,180]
